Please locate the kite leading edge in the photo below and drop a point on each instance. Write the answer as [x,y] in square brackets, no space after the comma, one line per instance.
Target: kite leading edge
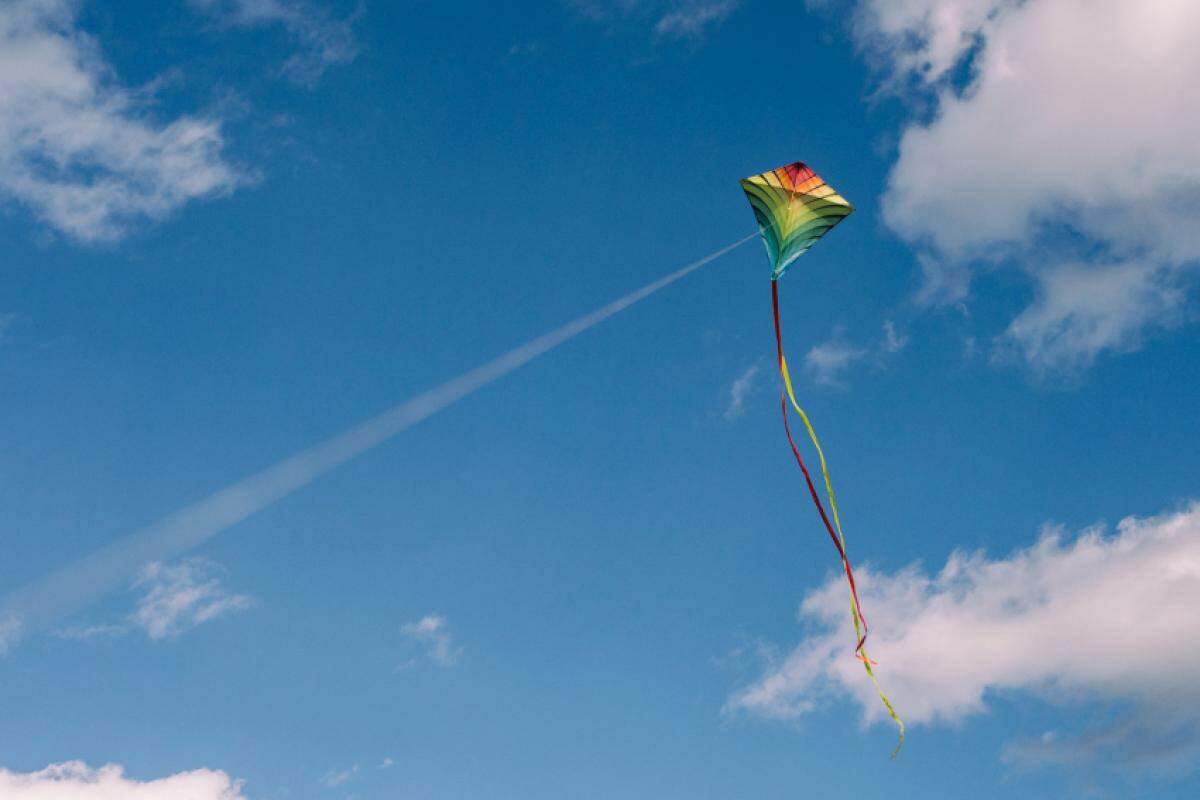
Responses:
[794,208]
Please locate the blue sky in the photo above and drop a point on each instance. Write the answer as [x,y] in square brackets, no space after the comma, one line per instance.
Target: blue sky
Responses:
[234,228]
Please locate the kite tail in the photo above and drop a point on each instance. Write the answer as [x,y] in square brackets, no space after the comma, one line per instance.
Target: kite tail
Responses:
[838,538]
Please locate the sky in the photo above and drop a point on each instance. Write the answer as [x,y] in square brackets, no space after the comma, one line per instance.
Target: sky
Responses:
[236,229]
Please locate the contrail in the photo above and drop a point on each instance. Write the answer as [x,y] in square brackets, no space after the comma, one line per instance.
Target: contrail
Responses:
[75,585]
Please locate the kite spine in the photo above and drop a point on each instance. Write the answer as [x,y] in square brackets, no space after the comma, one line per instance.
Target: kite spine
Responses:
[838,537]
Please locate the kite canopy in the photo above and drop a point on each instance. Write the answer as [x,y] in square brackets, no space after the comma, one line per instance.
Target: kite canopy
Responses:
[794,207]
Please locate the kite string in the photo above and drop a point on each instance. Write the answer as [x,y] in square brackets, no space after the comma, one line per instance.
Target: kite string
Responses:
[838,538]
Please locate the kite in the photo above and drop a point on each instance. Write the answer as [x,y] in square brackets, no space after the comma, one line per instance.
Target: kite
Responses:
[794,208]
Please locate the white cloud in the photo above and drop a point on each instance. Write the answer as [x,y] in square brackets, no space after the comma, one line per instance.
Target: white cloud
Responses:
[431,631]
[1098,618]
[181,596]
[739,390]
[924,39]
[670,19]
[828,362]
[1082,310]
[1075,161]
[1166,743]
[78,149]
[11,630]
[387,763]
[893,340]
[87,633]
[74,780]
[339,777]
[323,39]
[691,20]
[175,598]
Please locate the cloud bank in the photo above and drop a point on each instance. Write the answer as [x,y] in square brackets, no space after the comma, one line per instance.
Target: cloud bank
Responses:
[1099,618]
[1061,140]
[78,149]
[74,780]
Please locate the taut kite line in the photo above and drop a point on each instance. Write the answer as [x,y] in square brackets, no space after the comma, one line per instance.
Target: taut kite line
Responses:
[77,584]
[794,208]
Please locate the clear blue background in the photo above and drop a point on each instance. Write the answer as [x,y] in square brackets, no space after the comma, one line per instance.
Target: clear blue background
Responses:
[601,540]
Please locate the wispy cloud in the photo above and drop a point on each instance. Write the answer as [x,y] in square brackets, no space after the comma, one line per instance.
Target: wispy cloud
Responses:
[11,631]
[74,780]
[524,49]
[1103,226]
[1083,310]
[337,778]
[88,633]
[81,151]
[739,390]
[1097,618]
[606,10]
[691,20]
[181,596]
[431,631]
[322,39]
[1164,742]
[174,598]
[828,362]
[893,340]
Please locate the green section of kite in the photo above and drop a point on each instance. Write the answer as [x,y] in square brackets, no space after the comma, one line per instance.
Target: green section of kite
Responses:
[794,208]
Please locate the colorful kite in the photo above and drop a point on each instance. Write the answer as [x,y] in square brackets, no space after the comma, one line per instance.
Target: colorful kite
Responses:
[794,209]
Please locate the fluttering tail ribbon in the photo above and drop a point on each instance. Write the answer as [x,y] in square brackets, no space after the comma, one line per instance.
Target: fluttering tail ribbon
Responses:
[835,529]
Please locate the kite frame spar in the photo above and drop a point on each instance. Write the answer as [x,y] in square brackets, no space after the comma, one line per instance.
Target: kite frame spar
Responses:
[794,208]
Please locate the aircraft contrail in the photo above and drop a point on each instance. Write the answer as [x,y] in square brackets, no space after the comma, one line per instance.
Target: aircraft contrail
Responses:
[75,585]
